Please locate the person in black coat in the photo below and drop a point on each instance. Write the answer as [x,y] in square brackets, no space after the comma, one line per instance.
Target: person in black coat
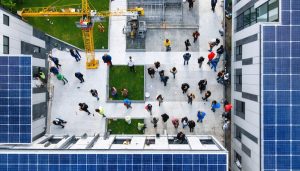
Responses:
[165,117]
[165,80]
[200,61]
[84,107]
[185,87]
[202,85]
[79,76]
[192,125]
[151,72]
[220,51]
[213,5]
[187,44]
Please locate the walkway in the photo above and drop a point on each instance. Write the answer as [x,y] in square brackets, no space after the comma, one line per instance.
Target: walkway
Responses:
[66,98]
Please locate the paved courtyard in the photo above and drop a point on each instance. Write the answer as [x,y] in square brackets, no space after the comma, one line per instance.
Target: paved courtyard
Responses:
[66,98]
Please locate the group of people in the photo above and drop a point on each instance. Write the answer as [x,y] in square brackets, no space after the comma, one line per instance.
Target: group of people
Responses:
[167,42]
[55,70]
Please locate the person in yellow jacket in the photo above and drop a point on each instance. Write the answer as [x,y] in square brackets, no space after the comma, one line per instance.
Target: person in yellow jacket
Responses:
[167,44]
[100,111]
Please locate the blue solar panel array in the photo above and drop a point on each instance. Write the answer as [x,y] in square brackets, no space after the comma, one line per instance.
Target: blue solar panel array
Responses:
[113,162]
[281,90]
[15,99]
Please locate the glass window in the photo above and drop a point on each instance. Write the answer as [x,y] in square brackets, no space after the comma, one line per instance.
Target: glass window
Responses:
[240,109]
[6,19]
[253,15]
[273,10]
[262,13]
[239,22]
[5,45]
[247,18]
[238,133]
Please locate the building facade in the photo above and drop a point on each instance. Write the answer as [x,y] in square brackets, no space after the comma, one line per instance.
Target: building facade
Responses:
[17,37]
[265,93]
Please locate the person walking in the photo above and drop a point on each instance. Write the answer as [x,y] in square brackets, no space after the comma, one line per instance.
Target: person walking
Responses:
[167,44]
[100,110]
[181,137]
[157,65]
[124,92]
[114,92]
[187,44]
[59,122]
[54,70]
[191,3]
[161,74]
[195,35]
[202,85]
[173,71]
[192,125]
[220,76]
[215,105]
[186,58]
[160,99]
[94,93]
[214,64]
[206,95]
[184,122]
[165,80]
[200,116]
[190,96]
[79,76]
[151,72]
[220,51]
[155,121]
[213,43]
[141,126]
[75,55]
[227,108]
[62,78]
[131,64]
[213,5]
[175,122]
[84,107]
[55,61]
[165,117]
[185,87]
[210,57]
[200,61]
[148,107]
[107,59]
[127,103]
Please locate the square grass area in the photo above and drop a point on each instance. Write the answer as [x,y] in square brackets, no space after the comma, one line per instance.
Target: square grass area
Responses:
[64,28]
[121,77]
[120,126]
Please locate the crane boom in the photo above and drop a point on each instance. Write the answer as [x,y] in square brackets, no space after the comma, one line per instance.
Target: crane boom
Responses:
[86,22]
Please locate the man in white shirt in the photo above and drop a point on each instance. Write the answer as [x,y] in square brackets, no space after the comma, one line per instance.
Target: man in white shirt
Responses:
[131,64]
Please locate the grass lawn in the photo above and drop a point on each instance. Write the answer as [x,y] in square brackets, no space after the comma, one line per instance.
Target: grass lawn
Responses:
[64,27]
[120,77]
[120,126]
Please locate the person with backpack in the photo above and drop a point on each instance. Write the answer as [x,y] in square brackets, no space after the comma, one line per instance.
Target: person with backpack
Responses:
[59,122]
[79,75]
[127,103]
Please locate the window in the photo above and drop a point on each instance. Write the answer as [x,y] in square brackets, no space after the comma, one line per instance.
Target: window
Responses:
[36,49]
[267,12]
[238,80]
[262,13]
[5,45]
[5,19]
[273,10]
[238,132]
[238,52]
[239,108]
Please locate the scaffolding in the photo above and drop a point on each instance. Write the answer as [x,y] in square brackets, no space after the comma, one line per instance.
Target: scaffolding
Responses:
[160,11]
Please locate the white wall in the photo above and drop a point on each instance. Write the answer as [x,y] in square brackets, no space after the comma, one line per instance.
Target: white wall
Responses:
[17,31]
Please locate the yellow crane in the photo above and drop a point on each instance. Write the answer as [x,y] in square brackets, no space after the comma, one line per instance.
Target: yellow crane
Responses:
[86,23]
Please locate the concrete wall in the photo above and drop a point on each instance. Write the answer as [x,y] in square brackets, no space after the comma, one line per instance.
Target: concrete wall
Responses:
[249,39]
[22,40]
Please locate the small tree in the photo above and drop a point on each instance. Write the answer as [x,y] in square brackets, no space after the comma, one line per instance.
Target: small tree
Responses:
[8,4]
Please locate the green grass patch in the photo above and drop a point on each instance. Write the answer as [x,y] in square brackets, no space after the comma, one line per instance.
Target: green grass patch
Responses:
[120,126]
[64,27]
[120,77]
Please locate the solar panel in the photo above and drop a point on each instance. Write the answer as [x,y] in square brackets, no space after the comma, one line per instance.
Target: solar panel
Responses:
[113,162]
[15,99]
[281,90]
